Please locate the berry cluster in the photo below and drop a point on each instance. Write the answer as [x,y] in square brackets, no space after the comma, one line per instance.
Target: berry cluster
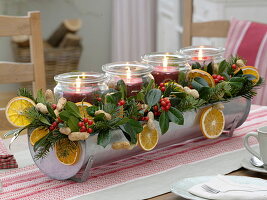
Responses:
[144,118]
[54,125]
[234,66]
[99,99]
[162,87]
[54,106]
[165,104]
[217,78]
[84,125]
[121,102]
[156,111]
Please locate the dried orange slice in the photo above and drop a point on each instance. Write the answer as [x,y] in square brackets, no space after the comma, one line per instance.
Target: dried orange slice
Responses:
[15,111]
[177,87]
[253,71]
[38,134]
[212,122]
[148,139]
[67,152]
[200,73]
[82,108]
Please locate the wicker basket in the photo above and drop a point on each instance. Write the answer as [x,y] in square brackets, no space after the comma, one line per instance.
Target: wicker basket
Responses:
[57,61]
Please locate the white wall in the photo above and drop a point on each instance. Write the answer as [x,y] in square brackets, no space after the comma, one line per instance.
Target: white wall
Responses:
[96,30]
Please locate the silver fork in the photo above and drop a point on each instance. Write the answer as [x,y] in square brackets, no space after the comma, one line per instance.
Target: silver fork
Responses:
[215,191]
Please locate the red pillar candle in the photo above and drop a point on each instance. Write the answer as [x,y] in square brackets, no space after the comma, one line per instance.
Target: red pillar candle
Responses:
[163,74]
[78,96]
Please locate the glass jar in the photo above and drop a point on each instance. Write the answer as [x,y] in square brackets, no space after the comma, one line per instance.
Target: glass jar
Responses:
[203,54]
[167,66]
[134,74]
[80,86]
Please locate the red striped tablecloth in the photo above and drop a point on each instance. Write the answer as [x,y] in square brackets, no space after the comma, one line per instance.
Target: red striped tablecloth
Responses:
[30,183]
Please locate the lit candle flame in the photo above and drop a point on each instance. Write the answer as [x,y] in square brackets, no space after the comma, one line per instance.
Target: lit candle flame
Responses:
[83,75]
[128,74]
[165,63]
[78,84]
[200,54]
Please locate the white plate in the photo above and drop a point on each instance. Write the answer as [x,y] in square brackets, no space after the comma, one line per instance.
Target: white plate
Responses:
[180,188]
[246,164]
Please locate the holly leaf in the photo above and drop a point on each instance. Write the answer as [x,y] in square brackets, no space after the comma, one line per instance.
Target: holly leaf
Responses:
[205,93]
[91,110]
[164,122]
[122,88]
[103,138]
[132,127]
[73,123]
[44,120]
[40,97]
[199,83]
[64,115]
[209,68]
[223,67]
[73,109]
[153,97]
[176,116]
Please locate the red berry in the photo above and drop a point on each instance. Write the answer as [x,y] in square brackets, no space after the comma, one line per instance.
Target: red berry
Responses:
[83,129]
[162,89]
[51,128]
[163,103]
[234,66]
[168,107]
[156,108]
[99,99]
[80,124]
[214,76]
[54,106]
[59,120]
[216,80]
[90,122]
[90,130]
[146,118]
[85,120]
[54,124]
[156,113]
[168,104]
[167,101]
[163,108]
[161,85]
[142,118]
[221,78]
[121,102]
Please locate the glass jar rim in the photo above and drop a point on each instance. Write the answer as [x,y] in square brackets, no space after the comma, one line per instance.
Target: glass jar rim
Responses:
[158,57]
[123,68]
[193,51]
[85,77]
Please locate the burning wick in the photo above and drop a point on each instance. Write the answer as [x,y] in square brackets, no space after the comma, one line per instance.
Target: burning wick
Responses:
[200,54]
[128,74]
[78,84]
[165,63]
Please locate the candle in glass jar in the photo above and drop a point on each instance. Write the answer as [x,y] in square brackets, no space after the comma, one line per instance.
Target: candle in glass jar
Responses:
[202,59]
[78,93]
[133,84]
[165,73]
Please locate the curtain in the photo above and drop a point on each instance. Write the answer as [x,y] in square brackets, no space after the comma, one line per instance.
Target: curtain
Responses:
[133,29]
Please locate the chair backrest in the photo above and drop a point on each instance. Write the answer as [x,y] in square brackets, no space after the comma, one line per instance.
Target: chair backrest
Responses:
[34,72]
[200,29]
[12,72]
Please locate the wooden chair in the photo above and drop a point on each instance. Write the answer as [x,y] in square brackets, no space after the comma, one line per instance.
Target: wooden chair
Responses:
[11,72]
[200,29]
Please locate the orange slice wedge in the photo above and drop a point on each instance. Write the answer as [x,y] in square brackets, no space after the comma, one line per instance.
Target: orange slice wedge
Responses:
[15,111]
[212,122]
[200,73]
[38,134]
[67,152]
[82,108]
[253,71]
[148,139]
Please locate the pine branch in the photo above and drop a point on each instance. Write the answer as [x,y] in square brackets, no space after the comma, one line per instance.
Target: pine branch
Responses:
[25,93]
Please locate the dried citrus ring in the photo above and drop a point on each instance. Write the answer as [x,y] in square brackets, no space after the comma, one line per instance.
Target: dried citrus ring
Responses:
[200,73]
[253,71]
[148,139]
[38,134]
[82,108]
[67,152]
[15,111]
[212,122]
[177,87]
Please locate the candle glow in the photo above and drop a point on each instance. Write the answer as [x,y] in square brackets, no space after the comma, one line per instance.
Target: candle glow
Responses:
[128,74]
[78,84]
[165,63]
[200,54]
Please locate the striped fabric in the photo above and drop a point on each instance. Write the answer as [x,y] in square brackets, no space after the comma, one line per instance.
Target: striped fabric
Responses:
[249,40]
[6,160]
[30,183]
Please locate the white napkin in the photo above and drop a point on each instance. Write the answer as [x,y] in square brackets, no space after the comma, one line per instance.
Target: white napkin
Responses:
[222,183]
